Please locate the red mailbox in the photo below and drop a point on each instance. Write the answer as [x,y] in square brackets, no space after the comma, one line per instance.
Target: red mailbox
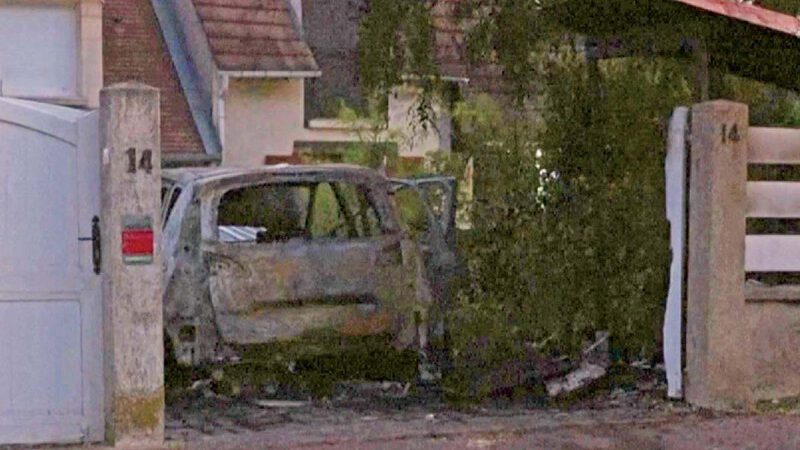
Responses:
[137,240]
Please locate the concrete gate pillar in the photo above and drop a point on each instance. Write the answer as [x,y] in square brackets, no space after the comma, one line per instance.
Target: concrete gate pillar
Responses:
[718,350]
[132,310]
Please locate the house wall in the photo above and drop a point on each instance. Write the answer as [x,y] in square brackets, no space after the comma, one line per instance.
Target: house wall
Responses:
[59,59]
[91,47]
[414,140]
[134,50]
[266,117]
[261,117]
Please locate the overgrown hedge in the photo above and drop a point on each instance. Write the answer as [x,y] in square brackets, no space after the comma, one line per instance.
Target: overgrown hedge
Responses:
[569,233]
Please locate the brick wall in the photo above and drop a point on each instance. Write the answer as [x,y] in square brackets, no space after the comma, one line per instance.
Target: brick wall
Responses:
[134,50]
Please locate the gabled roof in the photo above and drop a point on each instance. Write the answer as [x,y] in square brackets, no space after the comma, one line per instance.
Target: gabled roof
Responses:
[255,36]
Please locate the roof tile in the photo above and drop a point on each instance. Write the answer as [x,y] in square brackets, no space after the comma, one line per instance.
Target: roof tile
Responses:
[254,35]
[243,15]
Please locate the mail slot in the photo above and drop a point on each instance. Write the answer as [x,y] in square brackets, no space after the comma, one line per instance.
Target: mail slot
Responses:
[137,240]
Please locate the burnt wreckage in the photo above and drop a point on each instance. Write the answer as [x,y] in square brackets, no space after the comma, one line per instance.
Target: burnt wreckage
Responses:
[264,254]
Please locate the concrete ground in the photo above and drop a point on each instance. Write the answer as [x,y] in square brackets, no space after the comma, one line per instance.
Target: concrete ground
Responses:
[613,429]
[623,423]
[375,416]
[370,415]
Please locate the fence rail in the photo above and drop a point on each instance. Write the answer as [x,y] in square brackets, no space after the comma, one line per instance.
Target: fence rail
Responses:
[773,145]
[772,253]
[773,199]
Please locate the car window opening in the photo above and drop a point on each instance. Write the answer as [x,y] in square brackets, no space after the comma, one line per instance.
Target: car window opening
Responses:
[169,196]
[273,213]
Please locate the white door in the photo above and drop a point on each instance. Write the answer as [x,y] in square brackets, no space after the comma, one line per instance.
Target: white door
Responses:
[50,298]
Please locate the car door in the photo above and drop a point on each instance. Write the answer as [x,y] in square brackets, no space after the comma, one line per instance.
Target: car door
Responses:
[289,258]
[427,210]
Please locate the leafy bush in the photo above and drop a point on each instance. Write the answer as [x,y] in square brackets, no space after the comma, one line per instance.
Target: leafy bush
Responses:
[569,234]
[604,242]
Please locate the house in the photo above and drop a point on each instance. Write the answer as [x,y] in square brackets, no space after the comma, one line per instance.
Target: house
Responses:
[246,82]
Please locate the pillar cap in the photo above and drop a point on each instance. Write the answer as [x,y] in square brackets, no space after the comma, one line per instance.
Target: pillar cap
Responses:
[130,86]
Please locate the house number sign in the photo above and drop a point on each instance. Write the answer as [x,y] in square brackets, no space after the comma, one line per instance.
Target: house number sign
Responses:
[139,160]
[730,133]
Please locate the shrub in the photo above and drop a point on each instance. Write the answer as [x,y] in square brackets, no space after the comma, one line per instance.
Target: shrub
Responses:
[569,233]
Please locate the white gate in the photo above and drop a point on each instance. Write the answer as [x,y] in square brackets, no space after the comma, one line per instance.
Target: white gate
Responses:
[51,375]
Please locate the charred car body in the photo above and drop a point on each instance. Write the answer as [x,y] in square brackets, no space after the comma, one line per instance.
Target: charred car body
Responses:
[259,255]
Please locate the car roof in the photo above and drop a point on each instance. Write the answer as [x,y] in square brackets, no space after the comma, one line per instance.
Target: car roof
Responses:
[206,175]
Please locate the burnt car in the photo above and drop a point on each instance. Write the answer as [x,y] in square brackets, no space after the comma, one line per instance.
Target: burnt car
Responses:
[258,255]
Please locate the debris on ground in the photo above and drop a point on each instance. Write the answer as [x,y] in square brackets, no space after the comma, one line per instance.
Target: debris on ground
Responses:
[579,378]
[594,364]
[280,403]
[627,393]
[427,371]
[366,390]
[244,397]
[201,385]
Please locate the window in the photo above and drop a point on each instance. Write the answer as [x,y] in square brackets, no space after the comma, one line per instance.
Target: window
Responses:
[327,219]
[412,212]
[169,196]
[312,210]
[356,201]
[437,199]
[343,210]
[266,213]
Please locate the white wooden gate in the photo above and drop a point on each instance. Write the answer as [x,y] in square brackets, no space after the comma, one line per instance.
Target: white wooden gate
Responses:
[51,377]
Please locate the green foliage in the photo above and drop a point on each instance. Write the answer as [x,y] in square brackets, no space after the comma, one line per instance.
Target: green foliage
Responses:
[411,211]
[568,229]
[603,250]
[488,321]
[568,232]
[396,40]
[375,147]
[315,363]
[307,366]
[768,105]
[510,33]
[396,46]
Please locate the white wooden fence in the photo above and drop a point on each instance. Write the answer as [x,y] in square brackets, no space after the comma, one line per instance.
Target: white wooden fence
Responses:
[741,337]
[773,200]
